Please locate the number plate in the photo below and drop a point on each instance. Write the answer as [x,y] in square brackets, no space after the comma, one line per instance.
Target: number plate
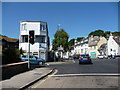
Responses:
[84,58]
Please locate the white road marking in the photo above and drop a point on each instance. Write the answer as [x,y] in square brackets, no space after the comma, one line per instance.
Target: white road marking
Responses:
[89,74]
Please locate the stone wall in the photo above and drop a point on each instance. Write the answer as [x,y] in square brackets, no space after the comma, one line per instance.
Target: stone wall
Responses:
[10,70]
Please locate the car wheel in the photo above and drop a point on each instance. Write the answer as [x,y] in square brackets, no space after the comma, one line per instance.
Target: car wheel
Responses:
[40,63]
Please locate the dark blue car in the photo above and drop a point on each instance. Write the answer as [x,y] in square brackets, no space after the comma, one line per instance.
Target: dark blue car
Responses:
[85,58]
[34,60]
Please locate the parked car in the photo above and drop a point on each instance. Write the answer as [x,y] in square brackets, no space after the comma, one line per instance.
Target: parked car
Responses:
[100,56]
[111,56]
[85,58]
[34,60]
[105,56]
[75,56]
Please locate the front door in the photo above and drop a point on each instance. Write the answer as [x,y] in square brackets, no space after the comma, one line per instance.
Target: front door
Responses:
[42,54]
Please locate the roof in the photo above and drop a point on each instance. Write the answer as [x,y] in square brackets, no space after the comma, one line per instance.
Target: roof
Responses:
[103,45]
[8,39]
[32,21]
[117,39]
[94,42]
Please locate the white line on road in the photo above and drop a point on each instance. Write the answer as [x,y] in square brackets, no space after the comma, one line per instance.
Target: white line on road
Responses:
[89,74]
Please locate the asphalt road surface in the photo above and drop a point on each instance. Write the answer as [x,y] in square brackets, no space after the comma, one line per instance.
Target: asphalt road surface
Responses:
[103,73]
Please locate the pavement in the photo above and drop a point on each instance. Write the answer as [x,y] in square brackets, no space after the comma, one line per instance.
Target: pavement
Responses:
[23,80]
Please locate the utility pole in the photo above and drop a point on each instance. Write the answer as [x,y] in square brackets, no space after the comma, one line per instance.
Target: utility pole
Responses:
[28,54]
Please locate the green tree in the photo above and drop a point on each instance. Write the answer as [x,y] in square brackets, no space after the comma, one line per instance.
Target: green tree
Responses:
[117,33]
[71,42]
[60,38]
[107,34]
[97,33]
[10,55]
[79,38]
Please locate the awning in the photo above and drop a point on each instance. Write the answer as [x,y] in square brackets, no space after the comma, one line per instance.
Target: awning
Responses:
[77,53]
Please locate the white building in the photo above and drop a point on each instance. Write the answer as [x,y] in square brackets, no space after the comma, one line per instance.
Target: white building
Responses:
[113,45]
[82,46]
[40,47]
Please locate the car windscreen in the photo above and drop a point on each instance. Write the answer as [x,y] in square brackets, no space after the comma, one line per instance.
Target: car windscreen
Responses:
[23,56]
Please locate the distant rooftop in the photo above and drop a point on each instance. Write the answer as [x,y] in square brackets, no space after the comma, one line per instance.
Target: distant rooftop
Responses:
[32,21]
[8,39]
[117,39]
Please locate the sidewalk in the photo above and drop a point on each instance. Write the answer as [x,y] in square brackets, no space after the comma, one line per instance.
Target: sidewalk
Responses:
[24,79]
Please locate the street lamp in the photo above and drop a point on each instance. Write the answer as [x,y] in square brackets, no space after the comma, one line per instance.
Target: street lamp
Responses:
[58,26]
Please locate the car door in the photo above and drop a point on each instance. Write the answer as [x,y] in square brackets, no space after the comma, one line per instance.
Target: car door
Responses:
[33,59]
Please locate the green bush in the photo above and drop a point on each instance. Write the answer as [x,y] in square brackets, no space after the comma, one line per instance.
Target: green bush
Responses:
[10,55]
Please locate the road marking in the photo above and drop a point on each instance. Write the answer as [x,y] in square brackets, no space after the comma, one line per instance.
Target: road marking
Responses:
[42,81]
[89,74]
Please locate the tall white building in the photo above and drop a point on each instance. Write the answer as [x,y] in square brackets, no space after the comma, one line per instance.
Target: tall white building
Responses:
[41,45]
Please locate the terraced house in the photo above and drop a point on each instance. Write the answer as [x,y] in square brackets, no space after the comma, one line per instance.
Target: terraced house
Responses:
[81,47]
[97,46]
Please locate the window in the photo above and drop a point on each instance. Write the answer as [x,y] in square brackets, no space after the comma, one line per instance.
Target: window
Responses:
[42,27]
[81,50]
[35,53]
[40,39]
[24,38]
[24,26]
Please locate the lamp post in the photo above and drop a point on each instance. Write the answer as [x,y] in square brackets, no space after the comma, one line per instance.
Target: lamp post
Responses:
[58,26]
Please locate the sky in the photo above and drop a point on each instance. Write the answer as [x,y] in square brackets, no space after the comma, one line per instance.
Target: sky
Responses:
[78,19]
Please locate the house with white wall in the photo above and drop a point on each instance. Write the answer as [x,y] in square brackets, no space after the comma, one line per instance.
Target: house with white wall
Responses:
[81,47]
[113,45]
[41,45]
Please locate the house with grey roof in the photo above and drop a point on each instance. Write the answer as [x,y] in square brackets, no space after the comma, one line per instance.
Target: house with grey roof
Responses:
[97,46]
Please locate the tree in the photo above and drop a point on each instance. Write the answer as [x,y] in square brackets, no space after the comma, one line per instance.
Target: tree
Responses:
[71,42]
[79,38]
[10,55]
[97,33]
[116,33]
[107,34]
[60,38]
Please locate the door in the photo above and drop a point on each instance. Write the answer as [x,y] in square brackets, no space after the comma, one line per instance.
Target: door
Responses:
[42,54]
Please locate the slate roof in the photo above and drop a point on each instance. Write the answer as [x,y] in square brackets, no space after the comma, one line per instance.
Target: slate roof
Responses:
[94,42]
[117,39]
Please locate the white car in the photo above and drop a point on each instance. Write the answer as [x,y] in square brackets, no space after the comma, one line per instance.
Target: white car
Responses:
[100,56]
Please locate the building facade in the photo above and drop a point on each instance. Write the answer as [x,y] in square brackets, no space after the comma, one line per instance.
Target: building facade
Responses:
[95,45]
[114,45]
[41,45]
[81,47]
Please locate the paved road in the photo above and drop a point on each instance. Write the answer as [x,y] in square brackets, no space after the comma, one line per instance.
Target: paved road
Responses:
[72,75]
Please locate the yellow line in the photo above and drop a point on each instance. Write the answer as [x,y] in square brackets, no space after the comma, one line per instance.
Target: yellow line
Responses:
[48,77]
